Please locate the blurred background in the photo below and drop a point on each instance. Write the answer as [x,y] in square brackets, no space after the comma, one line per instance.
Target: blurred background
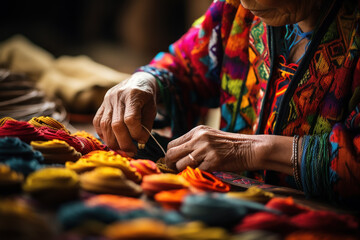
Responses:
[121,34]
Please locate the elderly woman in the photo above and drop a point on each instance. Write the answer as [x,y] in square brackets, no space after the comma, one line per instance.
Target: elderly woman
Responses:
[286,77]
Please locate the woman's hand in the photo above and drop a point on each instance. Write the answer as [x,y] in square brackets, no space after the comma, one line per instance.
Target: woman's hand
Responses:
[215,150]
[125,108]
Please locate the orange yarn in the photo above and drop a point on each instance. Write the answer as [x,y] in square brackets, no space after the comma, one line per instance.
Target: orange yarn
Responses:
[203,180]
[172,199]
[119,203]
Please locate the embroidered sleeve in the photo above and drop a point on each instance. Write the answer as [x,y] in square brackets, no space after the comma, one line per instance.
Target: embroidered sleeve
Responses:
[330,163]
[189,74]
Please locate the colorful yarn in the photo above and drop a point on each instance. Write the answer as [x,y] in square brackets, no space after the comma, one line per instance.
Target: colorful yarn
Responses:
[74,215]
[52,185]
[145,167]
[119,203]
[20,221]
[11,147]
[265,221]
[316,173]
[4,119]
[51,134]
[141,229]
[89,141]
[325,221]
[50,122]
[197,231]
[10,181]
[109,180]
[287,206]
[172,199]
[112,159]
[203,180]
[56,151]
[23,130]
[316,235]
[253,194]
[20,165]
[296,217]
[168,217]
[80,166]
[160,163]
[257,234]
[215,209]
[155,183]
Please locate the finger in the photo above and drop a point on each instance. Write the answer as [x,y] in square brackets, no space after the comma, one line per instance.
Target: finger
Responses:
[193,160]
[132,119]
[106,129]
[121,131]
[97,120]
[181,140]
[148,116]
[176,153]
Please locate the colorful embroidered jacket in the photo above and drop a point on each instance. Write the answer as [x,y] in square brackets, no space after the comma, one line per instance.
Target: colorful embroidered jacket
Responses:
[227,60]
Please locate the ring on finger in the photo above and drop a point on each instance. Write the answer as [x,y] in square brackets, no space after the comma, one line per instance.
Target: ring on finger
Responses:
[191,157]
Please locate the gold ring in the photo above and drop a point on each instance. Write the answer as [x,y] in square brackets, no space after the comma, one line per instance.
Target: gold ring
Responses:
[191,157]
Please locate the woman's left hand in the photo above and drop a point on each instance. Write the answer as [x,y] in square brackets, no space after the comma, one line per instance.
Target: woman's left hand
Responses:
[214,150]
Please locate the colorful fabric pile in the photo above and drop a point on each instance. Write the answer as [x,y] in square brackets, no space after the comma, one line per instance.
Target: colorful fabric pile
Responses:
[99,193]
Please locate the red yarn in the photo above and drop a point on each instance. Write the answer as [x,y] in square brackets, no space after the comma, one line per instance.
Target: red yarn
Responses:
[51,134]
[318,235]
[325,220]
[265,221]
[297,217]
[23,130]
[286,205]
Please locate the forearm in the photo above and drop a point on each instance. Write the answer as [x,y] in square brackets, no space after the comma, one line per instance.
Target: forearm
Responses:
[277,153]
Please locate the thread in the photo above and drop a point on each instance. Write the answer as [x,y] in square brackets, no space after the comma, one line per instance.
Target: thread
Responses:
[203,180]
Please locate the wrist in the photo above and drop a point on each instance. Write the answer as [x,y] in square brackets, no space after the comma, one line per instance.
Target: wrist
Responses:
[277,153]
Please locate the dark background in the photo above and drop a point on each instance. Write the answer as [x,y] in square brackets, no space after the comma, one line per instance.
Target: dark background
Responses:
[122,34]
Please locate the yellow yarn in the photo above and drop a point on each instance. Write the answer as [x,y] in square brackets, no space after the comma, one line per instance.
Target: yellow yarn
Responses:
[81,165]
[166,178]
[197,230]
[109,180]
[7,176]
[47,122]
[56,151]
[4,119]
[111,159]
[252,194]
[50,179]
[141,228]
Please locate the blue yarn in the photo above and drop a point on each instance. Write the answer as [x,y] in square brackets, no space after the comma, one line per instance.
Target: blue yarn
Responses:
[314,161]
[11,147]
[305,144]
[218,210]
[73,215]
[291,36]
[24,167]
[168,217]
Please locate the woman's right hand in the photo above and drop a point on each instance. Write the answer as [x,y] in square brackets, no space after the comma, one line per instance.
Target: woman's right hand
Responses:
[126,107]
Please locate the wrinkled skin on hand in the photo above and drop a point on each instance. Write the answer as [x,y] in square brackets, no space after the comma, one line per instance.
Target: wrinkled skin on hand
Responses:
[125,108]
[215,150]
